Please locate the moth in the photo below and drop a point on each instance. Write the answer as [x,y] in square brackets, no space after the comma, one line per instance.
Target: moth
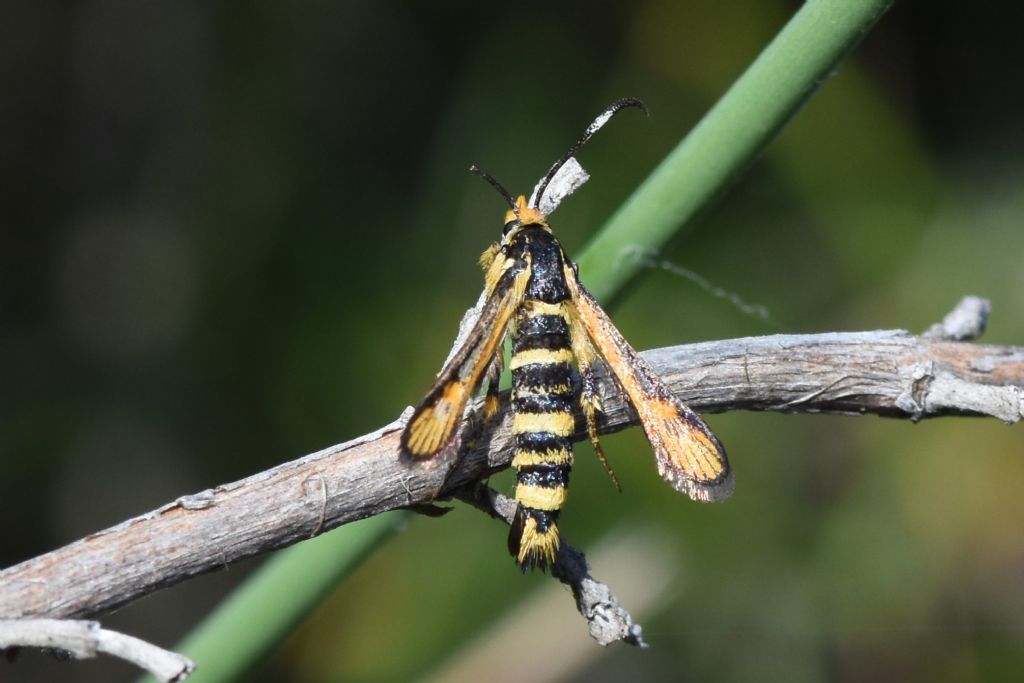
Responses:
[533,295]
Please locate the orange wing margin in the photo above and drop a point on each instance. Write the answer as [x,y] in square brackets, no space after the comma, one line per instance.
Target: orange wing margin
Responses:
[433,426]
[689,456]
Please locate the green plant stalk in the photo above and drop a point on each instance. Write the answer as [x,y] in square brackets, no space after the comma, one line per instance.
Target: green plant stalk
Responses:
[258,616]
[728,138]
[248,625]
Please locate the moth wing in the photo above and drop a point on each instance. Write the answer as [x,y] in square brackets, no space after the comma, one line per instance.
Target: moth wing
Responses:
[689,456]
[433,426]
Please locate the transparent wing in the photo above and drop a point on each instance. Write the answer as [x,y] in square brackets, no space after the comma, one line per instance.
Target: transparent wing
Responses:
[433,427]
[689,456]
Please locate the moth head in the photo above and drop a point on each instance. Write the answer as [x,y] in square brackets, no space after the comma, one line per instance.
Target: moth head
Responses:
[521,215]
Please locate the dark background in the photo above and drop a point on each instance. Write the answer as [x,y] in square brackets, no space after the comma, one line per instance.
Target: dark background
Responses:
[233,233]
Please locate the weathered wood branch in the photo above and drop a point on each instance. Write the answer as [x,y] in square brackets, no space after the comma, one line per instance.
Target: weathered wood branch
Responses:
[86,639]
[607,620]
[891,373]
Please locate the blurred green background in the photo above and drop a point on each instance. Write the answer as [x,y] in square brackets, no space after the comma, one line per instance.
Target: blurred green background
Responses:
[233,234]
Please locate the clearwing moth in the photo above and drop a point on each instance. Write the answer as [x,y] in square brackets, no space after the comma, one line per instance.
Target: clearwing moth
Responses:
[532,294]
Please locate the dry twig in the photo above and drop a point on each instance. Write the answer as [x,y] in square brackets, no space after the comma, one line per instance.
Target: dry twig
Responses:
[607,620]
[888,372]
[86,639]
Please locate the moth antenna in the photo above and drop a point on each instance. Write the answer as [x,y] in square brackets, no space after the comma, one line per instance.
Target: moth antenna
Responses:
[597,124]
[496,185]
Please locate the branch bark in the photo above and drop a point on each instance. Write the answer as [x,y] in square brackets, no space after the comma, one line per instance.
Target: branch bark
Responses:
[86,639]
[889,372]
[607,620]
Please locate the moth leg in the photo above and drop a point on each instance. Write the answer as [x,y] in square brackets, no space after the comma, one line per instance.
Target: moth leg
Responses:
[590,401]
[590,398]
[479,420]
[493,374]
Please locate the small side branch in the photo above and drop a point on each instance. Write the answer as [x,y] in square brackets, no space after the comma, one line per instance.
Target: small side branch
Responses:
[607,620]
[86,639]
[965,322]
[889,372]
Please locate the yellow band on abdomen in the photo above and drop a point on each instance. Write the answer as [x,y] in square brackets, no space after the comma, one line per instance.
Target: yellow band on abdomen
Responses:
[541,497]
[558,423]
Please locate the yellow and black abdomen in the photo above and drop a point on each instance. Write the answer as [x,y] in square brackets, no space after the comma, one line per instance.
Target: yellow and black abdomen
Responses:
[543,398]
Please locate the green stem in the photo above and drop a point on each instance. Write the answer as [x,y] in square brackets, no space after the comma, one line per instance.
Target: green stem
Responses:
[773,89]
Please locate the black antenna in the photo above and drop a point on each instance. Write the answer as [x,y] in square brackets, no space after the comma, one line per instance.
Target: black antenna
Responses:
[602,119]
[497,186]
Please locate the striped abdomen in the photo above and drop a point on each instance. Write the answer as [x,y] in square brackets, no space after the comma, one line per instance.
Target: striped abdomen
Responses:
[542,402]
